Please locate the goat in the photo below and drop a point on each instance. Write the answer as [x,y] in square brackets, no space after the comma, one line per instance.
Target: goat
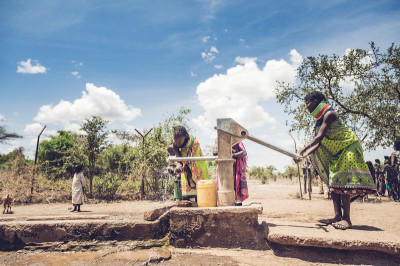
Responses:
[7,203]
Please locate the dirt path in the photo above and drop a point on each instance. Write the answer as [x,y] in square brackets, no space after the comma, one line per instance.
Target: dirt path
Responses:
[279,205]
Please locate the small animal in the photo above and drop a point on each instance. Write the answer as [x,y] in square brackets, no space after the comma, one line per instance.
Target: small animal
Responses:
[7,203]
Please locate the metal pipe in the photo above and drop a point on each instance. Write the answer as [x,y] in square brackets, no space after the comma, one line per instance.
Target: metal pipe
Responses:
[275,148]
[192,159]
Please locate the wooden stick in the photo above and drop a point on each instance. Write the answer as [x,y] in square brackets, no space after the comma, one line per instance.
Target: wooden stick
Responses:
[309,180]
[298,168]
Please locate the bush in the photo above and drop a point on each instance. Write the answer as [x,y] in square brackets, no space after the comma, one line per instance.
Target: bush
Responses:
[212,169]
[107,186]
[263,173]
[129,189]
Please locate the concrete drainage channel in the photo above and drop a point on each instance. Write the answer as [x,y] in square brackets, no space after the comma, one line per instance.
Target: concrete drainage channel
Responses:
[185,227]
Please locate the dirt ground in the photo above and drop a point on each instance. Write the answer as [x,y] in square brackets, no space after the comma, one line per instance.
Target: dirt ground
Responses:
[279,203]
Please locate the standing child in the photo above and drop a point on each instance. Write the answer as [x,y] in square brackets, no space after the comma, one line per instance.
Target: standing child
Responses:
[78,185]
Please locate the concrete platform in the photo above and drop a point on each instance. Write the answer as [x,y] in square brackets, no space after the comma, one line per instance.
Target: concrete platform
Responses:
[222,227]
[16,234]
[364,238]
[227,227]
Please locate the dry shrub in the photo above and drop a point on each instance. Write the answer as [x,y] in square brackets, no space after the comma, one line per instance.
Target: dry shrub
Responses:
[17,181]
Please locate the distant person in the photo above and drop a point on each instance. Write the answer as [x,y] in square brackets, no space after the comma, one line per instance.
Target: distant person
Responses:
[186,145]
[78,186]
[391,179]
[337,155]
[395,160]
[371,169]
[380,178]
[239,172]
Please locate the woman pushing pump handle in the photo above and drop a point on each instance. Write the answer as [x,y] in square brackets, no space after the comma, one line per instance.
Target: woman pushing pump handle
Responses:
[336,154]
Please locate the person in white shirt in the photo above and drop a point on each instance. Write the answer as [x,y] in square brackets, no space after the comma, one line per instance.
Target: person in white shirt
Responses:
[78,186]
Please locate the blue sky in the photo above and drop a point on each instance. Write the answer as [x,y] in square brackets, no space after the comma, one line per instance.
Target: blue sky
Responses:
[134,61]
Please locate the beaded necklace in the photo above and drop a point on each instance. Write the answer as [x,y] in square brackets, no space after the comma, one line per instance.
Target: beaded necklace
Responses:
[319,112]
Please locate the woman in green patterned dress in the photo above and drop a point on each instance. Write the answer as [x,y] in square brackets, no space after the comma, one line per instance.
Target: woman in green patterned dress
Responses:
[186,145]
[336,154]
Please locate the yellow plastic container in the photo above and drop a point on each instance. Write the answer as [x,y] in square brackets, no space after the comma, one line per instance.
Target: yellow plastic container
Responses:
[206,193]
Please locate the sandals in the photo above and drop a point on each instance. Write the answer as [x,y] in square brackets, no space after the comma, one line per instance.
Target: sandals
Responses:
[343,225]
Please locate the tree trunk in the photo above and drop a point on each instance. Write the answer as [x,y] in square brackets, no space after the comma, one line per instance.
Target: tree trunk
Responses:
[91,185]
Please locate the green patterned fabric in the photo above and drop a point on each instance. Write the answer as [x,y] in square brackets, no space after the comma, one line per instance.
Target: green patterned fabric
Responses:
[340,162]
[198,169]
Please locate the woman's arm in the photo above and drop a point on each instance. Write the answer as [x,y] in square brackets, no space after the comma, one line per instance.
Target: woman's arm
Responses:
[312,149]
[329,118]
[177,151]
[238,154]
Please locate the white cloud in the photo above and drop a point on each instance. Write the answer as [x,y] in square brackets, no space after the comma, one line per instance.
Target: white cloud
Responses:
[239,92]
[205,38]
[76,64]
[28,68]
[1,117]
[213,49]
[73,127]
[192,74]
[33,129]
[295,58]
[245,60]
[210,55]
[16,113]
[76,74]
[241,40]
[218,66]
[98,101]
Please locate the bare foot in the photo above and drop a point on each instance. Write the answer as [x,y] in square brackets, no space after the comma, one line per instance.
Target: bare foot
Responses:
[330,221]
[343,225]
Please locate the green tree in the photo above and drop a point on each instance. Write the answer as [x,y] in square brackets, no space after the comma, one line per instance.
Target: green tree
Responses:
[17,155]
[290,172]
[263,173]
[95,142]
[371,106]
[149,161]
[55,155]
[118,159]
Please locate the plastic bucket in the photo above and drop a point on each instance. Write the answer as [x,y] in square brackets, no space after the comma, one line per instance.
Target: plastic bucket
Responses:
[206,193]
